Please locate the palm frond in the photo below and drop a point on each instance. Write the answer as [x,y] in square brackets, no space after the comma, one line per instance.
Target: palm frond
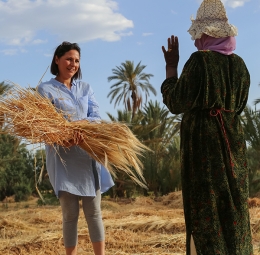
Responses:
[257,101]
[129,79]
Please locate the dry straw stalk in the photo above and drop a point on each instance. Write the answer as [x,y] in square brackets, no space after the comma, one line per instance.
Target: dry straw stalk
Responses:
[28,115]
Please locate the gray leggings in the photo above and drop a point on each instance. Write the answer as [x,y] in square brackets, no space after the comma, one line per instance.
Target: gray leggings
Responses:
[70,212]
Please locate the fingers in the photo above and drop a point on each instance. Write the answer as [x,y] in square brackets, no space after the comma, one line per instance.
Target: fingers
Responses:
[173,44]
[175,41]
[78,138]
[171,55]
[169,43]
[163,49]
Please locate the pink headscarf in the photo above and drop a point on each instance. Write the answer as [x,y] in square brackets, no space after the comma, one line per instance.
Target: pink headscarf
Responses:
[224,45]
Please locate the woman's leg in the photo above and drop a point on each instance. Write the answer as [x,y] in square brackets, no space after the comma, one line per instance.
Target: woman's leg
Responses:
[71,250]
[92,211]
[192,247]
[70,214]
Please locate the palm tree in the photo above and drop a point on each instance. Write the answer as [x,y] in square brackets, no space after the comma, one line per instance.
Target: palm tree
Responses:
[130,82]
[4,87]
[159,131]
[122,116]
[156,128]
[251,126]
[124,186]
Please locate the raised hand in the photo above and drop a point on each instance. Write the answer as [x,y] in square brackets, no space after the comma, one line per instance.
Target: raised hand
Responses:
[171,56]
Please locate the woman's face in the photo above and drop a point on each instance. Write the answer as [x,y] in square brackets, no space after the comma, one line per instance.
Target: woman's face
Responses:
[68,64]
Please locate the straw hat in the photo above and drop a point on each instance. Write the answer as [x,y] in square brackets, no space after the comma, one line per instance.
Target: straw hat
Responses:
[211,20]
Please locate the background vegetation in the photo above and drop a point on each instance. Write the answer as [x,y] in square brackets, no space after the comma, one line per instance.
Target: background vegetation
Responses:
[23,172]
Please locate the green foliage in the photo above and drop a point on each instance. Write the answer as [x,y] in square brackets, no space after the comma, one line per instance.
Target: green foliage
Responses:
[41,175]
[257,101]
[22,192]
[251,125]
[49,198]
[254,173]
[160,132]
[171,167]
[4,87]
[19,169]
[124,186]
[15,166]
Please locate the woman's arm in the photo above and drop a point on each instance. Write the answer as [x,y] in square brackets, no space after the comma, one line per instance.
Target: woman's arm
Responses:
[171,57]
[93,107]
[180,95]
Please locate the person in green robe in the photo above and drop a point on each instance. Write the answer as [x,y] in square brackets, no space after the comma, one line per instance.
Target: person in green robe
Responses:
[211,92]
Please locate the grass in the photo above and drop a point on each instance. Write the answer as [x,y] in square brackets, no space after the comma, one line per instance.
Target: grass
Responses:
[139,226]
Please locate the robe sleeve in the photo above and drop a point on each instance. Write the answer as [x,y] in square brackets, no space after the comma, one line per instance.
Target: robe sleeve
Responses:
[181,95]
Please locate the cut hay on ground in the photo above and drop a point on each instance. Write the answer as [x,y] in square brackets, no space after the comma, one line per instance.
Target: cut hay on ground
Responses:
[131,229]
[30,116]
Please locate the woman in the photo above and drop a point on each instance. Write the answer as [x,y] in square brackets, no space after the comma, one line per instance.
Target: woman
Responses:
[72,172]
[212,92]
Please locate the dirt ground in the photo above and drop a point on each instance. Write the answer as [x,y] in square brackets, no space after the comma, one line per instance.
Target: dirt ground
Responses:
[134,227]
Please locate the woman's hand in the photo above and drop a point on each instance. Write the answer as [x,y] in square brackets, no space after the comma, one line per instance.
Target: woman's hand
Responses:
[77,137]
[171,56]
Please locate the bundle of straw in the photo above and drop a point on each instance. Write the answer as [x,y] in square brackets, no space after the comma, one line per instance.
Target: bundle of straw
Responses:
[32,117]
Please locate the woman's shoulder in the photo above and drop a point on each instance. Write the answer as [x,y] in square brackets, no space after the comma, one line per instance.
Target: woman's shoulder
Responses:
[200,54]
[195,59]
[45,87]
[82,85]
[237,58]
[213,55]
[46,84]
[213,58]
[197,55]
[203,53]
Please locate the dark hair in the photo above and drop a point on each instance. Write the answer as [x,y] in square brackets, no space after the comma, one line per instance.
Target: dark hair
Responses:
[59,52]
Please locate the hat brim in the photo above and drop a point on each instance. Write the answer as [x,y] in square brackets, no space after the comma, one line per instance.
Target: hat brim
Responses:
[216,29]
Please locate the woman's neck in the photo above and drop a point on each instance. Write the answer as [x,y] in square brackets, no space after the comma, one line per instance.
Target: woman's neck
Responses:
[66,82]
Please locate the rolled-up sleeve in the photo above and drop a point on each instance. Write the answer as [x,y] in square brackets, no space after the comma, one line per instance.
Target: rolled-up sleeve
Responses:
[93,107]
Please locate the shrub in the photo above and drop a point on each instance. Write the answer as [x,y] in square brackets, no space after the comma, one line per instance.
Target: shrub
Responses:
[49,199]
[22,192]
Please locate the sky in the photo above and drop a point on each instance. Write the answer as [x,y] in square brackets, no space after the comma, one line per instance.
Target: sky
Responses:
[109,32]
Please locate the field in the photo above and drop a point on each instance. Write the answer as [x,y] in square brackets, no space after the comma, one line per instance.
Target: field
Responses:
[133,226]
